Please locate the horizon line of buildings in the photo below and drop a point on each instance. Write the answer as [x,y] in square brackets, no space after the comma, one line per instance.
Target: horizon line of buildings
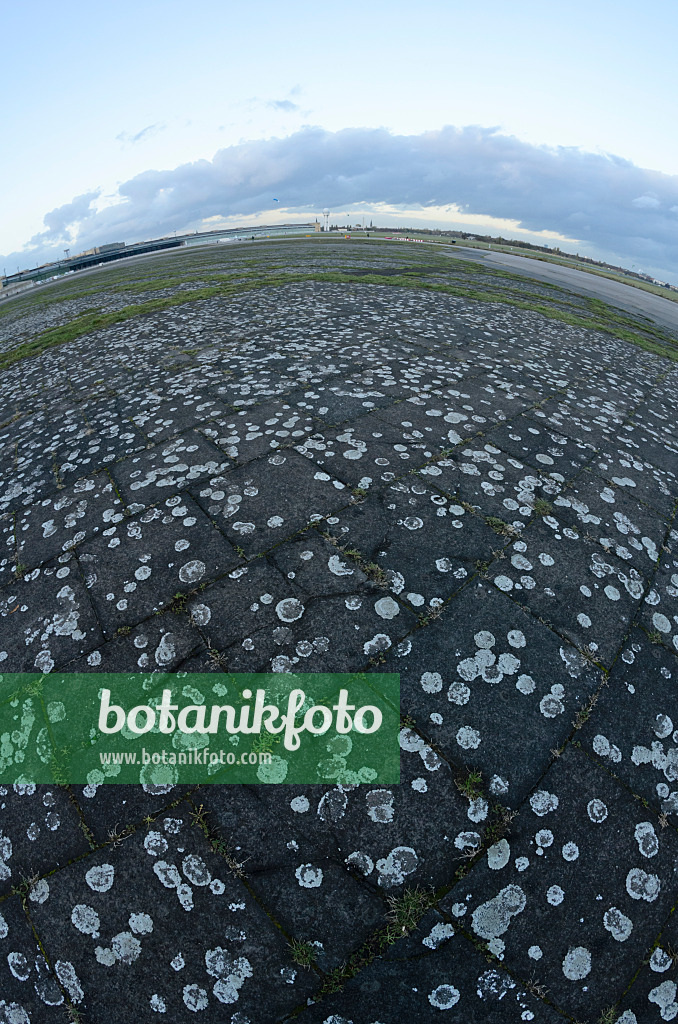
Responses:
[11,283]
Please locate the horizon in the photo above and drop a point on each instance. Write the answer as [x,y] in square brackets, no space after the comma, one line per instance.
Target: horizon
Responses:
[524,245]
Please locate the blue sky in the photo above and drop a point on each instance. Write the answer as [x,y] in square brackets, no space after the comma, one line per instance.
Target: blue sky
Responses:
[550,121]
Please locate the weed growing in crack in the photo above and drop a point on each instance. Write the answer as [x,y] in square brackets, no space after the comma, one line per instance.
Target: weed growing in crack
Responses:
[583,715]
[217,843]
[264,743]
[500,527]
[501,825]
[470,784]
[304,954]
[406,910]
[536,988]
[25,886]
[214,656]
[116,836]
[430,615]
[374,572]
[542,507]
[178,603]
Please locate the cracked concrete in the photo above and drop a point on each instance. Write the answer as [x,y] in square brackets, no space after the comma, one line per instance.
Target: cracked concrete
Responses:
[473,495]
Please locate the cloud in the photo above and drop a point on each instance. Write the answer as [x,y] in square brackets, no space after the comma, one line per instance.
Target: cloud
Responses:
[285,105]
[646,202]
[600,200]
[59,220]
[146,133]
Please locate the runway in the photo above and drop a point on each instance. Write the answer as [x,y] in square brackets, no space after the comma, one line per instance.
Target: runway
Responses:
[637,301]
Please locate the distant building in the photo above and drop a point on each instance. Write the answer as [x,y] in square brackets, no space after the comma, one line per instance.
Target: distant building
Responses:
[110,247]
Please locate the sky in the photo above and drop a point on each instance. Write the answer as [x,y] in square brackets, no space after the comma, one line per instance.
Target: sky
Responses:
[548,122]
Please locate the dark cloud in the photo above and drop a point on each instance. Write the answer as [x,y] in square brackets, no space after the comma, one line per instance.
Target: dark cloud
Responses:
[602,201]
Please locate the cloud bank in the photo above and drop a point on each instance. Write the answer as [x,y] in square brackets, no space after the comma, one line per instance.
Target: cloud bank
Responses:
[601,200]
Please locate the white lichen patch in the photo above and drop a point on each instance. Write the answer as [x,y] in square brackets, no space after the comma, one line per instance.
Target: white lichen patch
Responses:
[577,963]
[101,877]
[492,919]
[309,876]
[444,997]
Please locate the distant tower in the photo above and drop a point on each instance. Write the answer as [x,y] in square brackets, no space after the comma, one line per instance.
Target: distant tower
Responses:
[326,220]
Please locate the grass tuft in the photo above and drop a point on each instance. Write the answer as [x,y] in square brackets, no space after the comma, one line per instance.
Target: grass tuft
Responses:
[470,783]
[304,954]
[406,910]
[500,527]
[543,507]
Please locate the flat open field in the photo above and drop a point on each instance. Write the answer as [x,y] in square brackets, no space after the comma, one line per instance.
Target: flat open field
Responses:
[453,472]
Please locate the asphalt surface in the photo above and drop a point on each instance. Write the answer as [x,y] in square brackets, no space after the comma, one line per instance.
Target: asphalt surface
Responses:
[662,311]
